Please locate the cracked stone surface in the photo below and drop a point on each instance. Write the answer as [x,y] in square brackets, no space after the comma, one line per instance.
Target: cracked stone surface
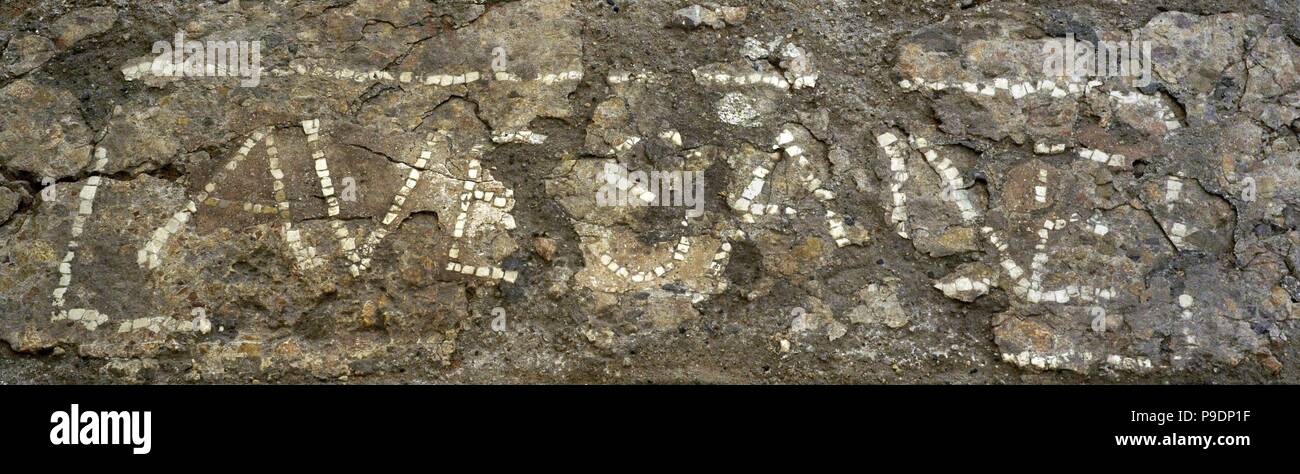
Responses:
[408,194]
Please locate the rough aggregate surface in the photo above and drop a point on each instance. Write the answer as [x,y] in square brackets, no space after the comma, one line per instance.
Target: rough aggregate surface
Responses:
[894,192]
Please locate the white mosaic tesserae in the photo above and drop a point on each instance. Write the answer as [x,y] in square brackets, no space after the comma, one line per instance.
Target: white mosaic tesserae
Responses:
[898,177]
[465,78]
[89,318]
[358,253]
[321,164]
[751,208]
[471,196]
